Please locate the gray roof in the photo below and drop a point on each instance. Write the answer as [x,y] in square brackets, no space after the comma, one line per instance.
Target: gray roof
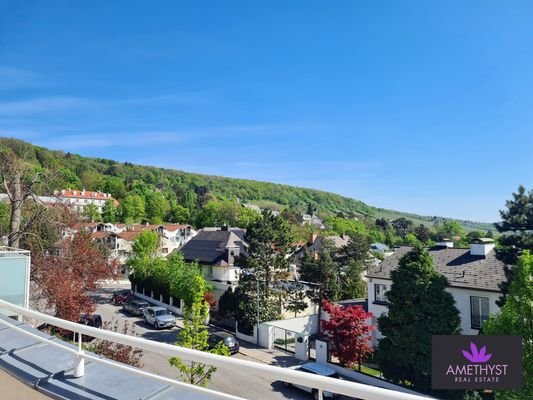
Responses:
[48,370]
[462,269]
[209,247]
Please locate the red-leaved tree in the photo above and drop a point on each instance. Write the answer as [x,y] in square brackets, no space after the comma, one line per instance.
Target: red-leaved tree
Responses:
[66,279]
[349,331]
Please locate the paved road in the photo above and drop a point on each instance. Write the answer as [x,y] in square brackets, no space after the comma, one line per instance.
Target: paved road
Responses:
[243,384]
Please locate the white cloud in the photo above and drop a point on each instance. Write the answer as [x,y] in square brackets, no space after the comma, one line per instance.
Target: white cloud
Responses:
[43,105]
[15,78]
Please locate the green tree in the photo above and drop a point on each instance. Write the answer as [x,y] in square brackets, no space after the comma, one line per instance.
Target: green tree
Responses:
[110,212]
[516,318]
[267,263]
[419,307]
[322,270]
[194,335]
[90,179]
[4,219]
[182,277]
[402,226]
[247,217]
[268,247]
[411,240]
[517,230]
[296,300]
[352,263]
[113,185]
[449,229]
[180,214]
[157,207]
[132,208]
[91,213]
[144,254]
[423,233]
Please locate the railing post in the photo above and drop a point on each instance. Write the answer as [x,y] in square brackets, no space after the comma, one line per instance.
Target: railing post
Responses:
[79,360]
[320,395]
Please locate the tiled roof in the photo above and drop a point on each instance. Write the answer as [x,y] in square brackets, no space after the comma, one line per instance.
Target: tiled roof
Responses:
[129,235]
[462,269]
[86,194]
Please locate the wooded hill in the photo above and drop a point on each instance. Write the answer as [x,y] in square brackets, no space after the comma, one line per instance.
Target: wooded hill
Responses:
[190,190]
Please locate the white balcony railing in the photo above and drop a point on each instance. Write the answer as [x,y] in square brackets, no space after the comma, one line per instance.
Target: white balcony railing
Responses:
[274,373]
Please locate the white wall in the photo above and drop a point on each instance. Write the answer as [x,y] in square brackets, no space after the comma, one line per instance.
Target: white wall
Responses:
[377,310]
[307,324]
[462,302]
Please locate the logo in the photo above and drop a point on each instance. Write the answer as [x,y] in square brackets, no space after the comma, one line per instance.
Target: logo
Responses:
[475,356]
[463,362]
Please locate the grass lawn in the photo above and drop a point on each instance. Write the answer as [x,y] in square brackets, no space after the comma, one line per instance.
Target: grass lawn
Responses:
[369,371]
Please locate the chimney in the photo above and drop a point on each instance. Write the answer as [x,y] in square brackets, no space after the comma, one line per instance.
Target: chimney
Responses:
[224,228]
[482,247]
[312,238]
[445,243]
[232,251]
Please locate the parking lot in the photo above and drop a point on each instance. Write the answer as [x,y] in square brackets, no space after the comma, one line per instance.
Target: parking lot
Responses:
[246,385]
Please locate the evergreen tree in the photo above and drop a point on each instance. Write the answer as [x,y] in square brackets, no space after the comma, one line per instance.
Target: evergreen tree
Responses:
[516,318]
[295,300]
[268,239]
[517,230]
[419,307]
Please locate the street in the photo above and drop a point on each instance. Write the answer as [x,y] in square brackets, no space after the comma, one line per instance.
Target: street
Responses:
[231,381]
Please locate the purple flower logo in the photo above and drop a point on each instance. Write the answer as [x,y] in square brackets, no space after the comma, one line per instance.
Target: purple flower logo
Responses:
[476,356]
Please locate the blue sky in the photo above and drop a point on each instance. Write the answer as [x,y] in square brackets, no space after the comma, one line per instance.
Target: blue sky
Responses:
[413,105]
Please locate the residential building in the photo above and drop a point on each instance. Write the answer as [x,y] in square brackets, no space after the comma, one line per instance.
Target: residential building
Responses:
[216,250]
[474,275]
[308,219]
[118,238]
[79,199]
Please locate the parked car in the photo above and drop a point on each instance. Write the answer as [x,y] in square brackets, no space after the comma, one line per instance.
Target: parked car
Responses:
[159,317]
[226,338]
[317,369]
[121,296]
[94,320]
[135,307]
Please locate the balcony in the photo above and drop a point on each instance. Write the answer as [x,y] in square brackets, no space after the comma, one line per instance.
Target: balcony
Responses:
[63,370]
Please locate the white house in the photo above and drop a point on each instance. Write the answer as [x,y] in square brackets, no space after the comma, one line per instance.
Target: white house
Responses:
[216,249]
[474,275]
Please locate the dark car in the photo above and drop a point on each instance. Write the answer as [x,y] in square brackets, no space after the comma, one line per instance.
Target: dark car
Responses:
[226,338]
[121,296]
[135,307]
[94,320]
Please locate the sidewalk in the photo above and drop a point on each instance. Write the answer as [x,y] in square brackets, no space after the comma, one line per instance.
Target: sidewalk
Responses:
[268,356]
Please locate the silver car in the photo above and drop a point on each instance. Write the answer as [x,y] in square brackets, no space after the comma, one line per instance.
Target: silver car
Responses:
[316,369]
[159,317]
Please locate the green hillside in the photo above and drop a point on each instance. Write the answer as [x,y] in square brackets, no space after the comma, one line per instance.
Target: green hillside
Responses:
[189,189]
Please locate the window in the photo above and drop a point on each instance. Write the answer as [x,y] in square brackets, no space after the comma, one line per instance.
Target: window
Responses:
[479,311]
[379,292]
